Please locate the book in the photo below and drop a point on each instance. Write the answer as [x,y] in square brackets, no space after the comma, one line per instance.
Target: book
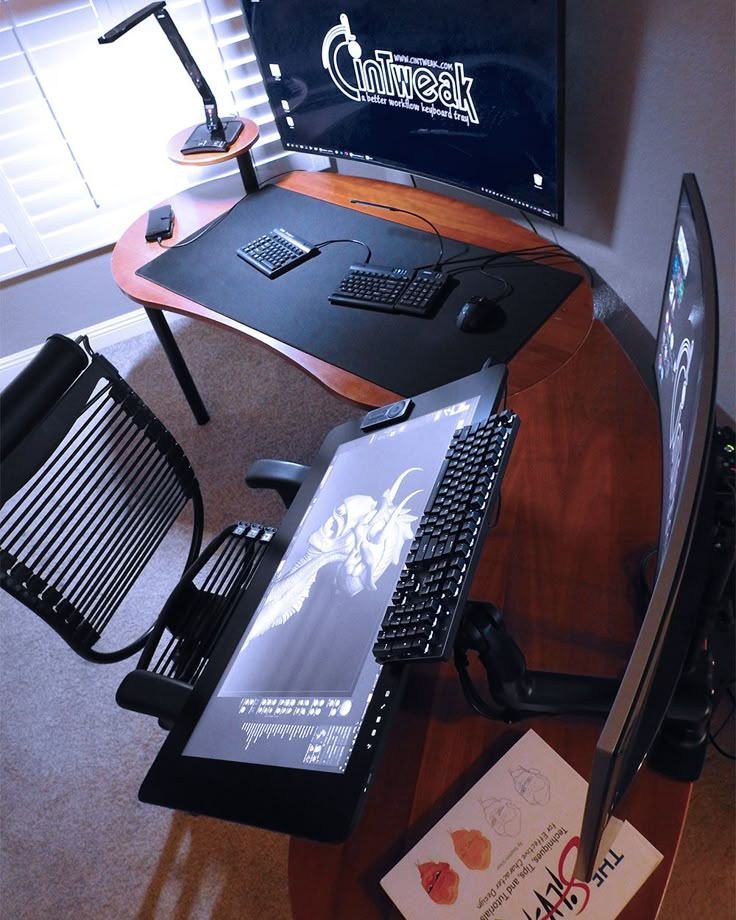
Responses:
[507,849]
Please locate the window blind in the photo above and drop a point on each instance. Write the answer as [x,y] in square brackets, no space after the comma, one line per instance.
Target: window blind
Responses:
[84,126]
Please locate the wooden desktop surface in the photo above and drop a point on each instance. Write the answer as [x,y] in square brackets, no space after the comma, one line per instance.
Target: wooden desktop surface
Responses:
[580,509]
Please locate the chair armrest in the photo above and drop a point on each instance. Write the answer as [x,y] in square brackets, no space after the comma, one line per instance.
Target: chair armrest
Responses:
[281,475]
[153,695]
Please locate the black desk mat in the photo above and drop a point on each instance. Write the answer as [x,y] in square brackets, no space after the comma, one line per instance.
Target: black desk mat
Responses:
[404,354]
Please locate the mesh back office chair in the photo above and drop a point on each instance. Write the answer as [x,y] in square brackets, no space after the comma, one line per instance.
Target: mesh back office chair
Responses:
[90,484]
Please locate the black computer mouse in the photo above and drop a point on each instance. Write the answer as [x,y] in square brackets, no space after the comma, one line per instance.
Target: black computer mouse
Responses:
[476,314]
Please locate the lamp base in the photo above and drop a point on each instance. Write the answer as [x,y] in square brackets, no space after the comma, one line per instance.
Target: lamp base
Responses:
[202,140]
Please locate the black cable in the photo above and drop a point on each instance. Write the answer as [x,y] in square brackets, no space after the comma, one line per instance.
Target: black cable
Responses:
[544,252]
[713,735]
[213,223]
[525,250]
[506,291]
[276,176]
[514,258]
[207,227]
[553,251]
[387,207]
[359,242]
[527,219]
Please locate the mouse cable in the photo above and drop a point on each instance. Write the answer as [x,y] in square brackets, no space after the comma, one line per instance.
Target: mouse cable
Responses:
[508,286]
[507,289]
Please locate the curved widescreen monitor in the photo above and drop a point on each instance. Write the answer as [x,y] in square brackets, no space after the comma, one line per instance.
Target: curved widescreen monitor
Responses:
[673,626]
[469,94]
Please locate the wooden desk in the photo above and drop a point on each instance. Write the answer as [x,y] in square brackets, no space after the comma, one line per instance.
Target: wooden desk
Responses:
[580,507]
[554,343]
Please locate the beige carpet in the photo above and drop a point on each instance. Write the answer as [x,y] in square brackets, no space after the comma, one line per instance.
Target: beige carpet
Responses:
[75,841]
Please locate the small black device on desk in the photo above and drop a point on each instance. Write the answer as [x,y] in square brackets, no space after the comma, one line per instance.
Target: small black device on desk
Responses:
[391,290]
[285,726]
[160,224]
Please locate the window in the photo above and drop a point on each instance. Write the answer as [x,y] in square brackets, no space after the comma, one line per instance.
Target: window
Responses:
[84,126]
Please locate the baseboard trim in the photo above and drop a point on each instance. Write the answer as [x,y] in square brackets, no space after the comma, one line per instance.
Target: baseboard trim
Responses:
[100,336]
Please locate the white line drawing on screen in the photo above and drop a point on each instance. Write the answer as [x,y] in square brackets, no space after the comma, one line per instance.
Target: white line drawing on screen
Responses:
[362,534]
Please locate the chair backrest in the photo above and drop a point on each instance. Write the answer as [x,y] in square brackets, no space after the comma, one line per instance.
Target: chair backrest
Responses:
[90,483]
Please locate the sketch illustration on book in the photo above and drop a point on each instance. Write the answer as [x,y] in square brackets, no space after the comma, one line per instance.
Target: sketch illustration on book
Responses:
[533,786]
[472,847]
[530,872]
[503,816]
[440,881]
[362,537]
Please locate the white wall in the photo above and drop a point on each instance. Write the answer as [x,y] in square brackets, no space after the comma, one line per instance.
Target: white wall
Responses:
[651,93]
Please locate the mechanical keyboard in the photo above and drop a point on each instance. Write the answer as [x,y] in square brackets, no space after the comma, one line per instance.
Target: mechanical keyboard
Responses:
[276,252]
[390,290]
[422,620]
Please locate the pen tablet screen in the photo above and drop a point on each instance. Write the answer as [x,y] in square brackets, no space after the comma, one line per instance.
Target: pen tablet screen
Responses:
[296,690]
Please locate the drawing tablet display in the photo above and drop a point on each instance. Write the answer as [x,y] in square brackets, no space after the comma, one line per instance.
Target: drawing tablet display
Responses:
[285,724]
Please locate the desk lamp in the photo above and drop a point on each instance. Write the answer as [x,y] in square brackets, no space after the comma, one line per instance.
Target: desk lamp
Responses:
[214,136]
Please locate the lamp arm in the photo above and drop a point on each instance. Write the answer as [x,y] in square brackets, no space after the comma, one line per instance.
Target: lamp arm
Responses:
[177,42]
[158,10]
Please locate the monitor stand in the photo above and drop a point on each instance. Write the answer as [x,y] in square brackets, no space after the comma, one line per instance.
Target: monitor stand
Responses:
[204,139]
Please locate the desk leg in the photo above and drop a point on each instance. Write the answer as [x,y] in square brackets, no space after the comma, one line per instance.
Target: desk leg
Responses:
[248,173]
[178,364]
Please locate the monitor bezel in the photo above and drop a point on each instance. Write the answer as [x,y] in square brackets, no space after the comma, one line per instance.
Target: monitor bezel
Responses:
[453,183]
[673,613]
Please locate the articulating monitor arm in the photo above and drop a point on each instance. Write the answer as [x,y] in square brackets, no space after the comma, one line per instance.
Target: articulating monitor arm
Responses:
[519,693]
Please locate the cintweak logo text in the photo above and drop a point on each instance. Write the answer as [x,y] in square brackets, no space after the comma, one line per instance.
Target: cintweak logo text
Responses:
[437,88]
